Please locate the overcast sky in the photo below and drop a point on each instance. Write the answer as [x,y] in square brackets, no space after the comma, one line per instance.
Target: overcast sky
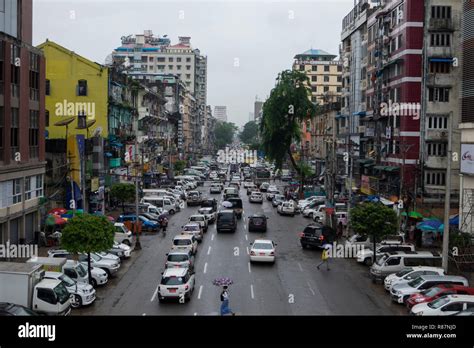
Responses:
[247,42]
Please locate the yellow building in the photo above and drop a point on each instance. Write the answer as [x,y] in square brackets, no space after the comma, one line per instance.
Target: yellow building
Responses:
[74,85]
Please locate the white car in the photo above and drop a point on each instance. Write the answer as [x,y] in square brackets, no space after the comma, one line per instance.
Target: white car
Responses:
[256,197]
[81,294]
[185,242]
[201,220]
[286,208]
[366,255]
[176,283]
[179,259]
[446,305]
[248,184]
[127,250]
[235,178]
[209,213]
[215,188]
[410,273]
[263,250]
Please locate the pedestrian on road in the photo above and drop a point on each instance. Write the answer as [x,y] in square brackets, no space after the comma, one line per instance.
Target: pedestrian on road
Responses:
[164,223]
[325,258]
[225,309]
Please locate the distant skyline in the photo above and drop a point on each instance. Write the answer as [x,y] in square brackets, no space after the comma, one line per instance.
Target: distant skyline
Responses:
[247,42]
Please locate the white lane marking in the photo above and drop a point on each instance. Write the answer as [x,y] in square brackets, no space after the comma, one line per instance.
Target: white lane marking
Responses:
[301,268]
[205,268]
[212,237]
[155,294]
[251,292]
[246,237]
[195,314]
[248,252]
[310,289]
[245,227]
[144,314]
[250,270]
[209,250]
[200,292]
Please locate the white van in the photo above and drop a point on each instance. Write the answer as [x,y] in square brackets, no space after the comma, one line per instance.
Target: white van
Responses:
[160,202]
[122,234]
[395,261]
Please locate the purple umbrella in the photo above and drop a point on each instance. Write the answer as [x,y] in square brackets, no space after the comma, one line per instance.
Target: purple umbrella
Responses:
[224,281]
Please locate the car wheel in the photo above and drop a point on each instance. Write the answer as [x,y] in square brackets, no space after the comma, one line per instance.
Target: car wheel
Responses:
[311,216]
[172,212]
[76,301]
[368,261]
[107,271]
[304,246]
[160,299]
[94,283]
[405,298]
[126,242]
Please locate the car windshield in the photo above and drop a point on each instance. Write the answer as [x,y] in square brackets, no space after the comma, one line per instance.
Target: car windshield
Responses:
[415,283]
[95,257]
[382,260]
[431,292]
[67,281]
[439,302]
[22,311]
[257,220]
[262,246]
[81,270]
[197,218]
[177,257]
[191,228]
[181,242]
[62,293]
[143,218]
[172,281]
[403,272]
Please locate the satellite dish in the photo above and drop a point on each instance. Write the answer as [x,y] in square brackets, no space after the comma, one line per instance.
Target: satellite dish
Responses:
[97,132]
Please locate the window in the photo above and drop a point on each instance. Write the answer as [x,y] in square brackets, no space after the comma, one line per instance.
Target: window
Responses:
[34,76]
[2,130]
[188,76]
[326,78]
[47,295]
[170,67]
[440,67]
[15,71]
[313,99]
[393,261]
[82,88]
[301,67]
[326,89]
[339,89]
[39,185]
[339,68]
[437,122]
[46,114]
[339,79]
[326,68]
[440,94]
[437,149]
[161,67]
[48,87]
[453,307]
[34,134]
[178,60]
[14,132]
[2,53]
[314,68]
[188,67]
[178,67]
[314,78]
[160,59]
[170,59]
[435,178]
[188,60]
[313,89]
[28,189]
[399,42]
[16,191]
[440,40]
[441,12]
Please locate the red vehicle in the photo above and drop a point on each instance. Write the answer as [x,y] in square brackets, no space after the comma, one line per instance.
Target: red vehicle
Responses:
[438,291]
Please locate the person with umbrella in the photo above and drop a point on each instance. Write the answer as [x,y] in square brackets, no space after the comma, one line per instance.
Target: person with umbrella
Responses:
[224,282]
[325,257]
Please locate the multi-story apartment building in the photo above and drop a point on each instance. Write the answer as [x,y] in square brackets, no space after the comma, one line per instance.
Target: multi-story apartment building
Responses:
[220,113]
[324,73]
[22,122]
[466,157]
[391,123]
[440,100]
[257,111]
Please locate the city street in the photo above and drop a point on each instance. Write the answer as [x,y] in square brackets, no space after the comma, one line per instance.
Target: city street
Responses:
[292,286]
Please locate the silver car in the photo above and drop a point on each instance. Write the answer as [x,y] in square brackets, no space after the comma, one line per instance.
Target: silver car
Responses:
[180,259]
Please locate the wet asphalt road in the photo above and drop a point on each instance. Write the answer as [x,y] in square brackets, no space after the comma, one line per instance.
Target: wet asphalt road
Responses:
[292,286]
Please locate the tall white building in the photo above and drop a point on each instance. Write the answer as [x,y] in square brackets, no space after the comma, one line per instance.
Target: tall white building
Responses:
[220,113]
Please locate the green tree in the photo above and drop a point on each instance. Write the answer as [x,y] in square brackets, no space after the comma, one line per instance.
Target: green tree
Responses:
[224,133]
[123,193]
[179,166]
[249,133]
[283,113]
[375,220]
[88,234]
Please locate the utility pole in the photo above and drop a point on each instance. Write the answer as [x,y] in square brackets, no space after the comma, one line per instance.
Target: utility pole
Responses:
[138,245]
[447,197]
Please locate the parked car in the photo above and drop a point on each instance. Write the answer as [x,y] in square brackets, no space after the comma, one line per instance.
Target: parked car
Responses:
[226,221]
[180,259]
[317,235]
[10,309]
[176,283]
[410,273]
[122,234]
[81,294]
[257,223]
[395,261]
[108,265]
[401,292]
[436,292]
[256,197]
[446,305]
[147,225]
[286,208]
[277,200]
[366,256]
[263,250]
[209,213]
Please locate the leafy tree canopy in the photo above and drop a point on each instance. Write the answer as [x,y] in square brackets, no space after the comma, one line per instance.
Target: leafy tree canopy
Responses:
[373,219]
[123,193]
[249,133]
[224,133]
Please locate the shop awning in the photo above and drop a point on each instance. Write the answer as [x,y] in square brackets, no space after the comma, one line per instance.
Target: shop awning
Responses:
[442,60]
[365,161]
[387,168]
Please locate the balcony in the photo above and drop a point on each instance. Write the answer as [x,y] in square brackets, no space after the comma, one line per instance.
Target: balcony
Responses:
[436,162]
[440,24]
[437,135]
[440,52]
